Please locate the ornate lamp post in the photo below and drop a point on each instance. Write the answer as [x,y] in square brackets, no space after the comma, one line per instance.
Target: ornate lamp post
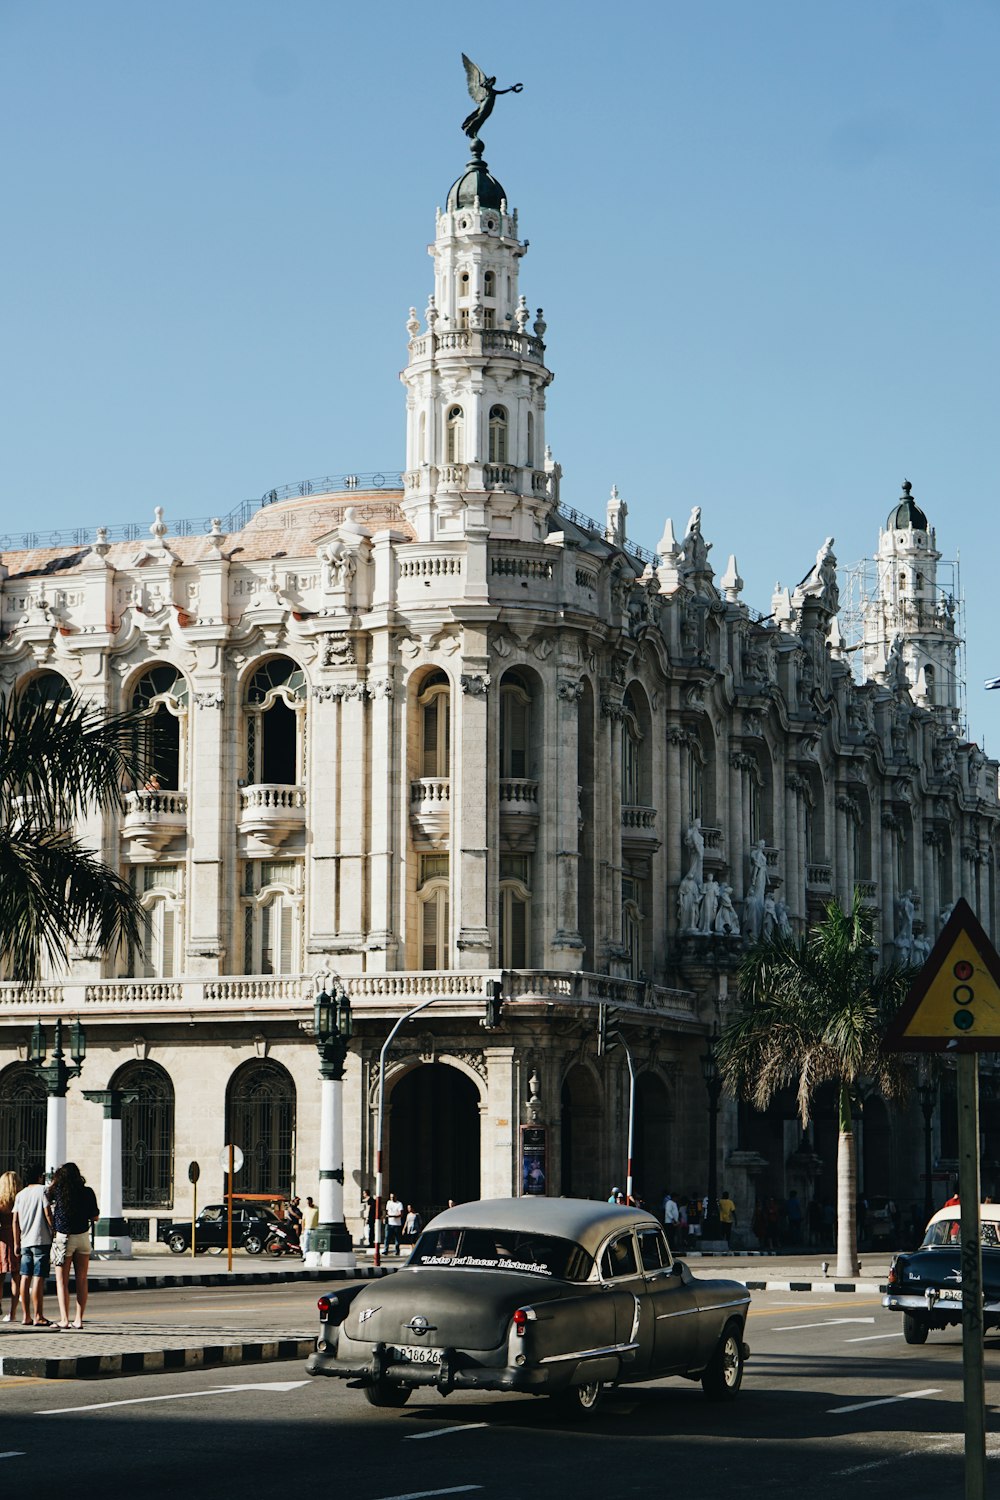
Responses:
[330,1244]
[56,1074]
[927,1088]
[713,1085]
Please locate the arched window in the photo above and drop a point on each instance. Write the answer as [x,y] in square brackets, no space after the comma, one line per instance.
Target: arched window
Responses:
[147,1135]
[498,435]
[159,890]
[489,284]
[23,1107]
[45,689]
[162,694]
[632,921]
[515,911]
[530,455]
[260,1119]
[464,284]
[631,738]
[696,785]
[274,707]
[272,916]
[455,436]
[515,727]
[435,726]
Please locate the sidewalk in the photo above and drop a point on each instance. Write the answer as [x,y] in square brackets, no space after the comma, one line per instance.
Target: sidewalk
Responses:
[51,1354]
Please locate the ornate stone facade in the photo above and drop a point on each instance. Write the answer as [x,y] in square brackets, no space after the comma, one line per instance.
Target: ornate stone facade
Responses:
[422,739]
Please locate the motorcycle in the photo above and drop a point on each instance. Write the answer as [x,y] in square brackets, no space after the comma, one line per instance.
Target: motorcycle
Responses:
[282,1240]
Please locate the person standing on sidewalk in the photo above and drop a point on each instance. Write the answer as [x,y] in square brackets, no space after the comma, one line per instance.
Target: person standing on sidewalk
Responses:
[10,1186]
[74,1210]
[727,1215]
[310,1221]
[393,1221]
[32,1219]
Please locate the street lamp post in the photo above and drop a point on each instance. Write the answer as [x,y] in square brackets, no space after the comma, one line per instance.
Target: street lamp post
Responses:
[927,1089]
[56,1074]
[713,1085]
[330,1243]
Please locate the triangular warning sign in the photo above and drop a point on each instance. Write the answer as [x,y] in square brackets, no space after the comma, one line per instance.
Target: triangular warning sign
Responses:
[954,1003]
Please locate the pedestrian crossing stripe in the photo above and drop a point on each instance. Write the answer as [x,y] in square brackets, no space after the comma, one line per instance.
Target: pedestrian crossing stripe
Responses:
[954,1003]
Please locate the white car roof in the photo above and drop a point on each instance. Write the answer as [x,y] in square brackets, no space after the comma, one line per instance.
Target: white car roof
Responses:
[988,1211]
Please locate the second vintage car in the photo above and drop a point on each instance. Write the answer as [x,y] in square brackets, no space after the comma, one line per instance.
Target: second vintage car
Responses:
[252,1227]
[550,1296]
[925,1285]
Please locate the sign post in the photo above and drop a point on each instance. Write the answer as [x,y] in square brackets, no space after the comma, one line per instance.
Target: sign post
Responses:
[194,1172]
[231,1161]
[954,1007]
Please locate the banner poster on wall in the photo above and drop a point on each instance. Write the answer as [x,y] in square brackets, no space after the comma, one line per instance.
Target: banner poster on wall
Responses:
[534,1169]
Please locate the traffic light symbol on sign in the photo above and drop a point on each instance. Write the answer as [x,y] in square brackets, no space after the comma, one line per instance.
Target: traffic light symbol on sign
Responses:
[963,995]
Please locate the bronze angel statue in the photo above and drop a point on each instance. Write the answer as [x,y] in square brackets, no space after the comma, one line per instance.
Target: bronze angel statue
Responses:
[484,94]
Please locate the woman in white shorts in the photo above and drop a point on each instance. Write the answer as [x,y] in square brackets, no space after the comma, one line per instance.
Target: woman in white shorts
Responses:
[74,1210]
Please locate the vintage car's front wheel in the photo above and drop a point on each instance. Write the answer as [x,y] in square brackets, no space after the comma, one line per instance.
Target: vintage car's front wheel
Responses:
[176,1244]
[579,1400]
[381,1393]
[724,1372]
[915,1330]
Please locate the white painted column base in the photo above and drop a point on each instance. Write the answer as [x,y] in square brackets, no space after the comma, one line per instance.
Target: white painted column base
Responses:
[113,1246]
[331,1260]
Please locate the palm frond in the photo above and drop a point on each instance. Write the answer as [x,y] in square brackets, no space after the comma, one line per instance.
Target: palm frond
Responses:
[60,758]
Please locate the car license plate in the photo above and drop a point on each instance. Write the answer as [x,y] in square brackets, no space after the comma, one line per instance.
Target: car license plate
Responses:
[414,1354]
[950,1294]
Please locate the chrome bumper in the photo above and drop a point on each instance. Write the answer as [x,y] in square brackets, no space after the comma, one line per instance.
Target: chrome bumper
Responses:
[455,1372]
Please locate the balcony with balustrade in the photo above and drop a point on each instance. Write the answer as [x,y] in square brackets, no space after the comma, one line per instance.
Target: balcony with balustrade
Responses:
[639,828]
[518,807]
[819,877]
[152,819]
[430,810]
[270,814]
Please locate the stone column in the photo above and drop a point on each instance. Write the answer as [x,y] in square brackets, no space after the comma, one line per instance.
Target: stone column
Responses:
[213,805]
[55,1132]
[388,782]
[794,860]
[844,874]
[322,852]
[930,903]
[738,833]
[887,875]
[330,1245]
[674,820]
[499,1129]
[611,719]
[560,790]
[353,766]
[111,1237]
[470,762]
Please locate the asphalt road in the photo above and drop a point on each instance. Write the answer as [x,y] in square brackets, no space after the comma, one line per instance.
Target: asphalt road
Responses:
[833,1401]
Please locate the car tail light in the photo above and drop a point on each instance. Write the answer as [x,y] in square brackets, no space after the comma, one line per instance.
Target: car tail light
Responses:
[324,1308]
[520,1322]
[893,1277]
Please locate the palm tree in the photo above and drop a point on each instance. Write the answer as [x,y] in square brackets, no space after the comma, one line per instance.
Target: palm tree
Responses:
[813,1010]
[60,758]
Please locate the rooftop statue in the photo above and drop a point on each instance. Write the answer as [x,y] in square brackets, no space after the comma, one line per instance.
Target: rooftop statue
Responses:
[484,93]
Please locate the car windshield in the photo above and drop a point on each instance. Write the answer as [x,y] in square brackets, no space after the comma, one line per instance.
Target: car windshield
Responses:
[949,1232]
[502,1250]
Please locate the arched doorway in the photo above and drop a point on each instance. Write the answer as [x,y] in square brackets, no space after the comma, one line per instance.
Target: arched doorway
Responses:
[147,1136]
[651,1147]
[877,1176]
[434,1138]
[581,1136]
[23,1106]
[260,1119]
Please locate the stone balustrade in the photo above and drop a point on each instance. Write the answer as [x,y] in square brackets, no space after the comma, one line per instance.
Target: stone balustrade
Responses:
[256,996]
[500,477]
[270,812]
[153,818]
[819,877]
[430,808]
[518,797]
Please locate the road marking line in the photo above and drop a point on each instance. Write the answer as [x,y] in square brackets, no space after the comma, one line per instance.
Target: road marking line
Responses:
[826,1323]
[220,1390]
[414,1437]
[456,1489]
[867,1338]
[836,1411]
[15,1453]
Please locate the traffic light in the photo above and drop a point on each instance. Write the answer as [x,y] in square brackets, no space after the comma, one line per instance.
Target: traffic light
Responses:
[494,1007]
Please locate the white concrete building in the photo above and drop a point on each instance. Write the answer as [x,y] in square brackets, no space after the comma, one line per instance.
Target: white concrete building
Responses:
[423,735]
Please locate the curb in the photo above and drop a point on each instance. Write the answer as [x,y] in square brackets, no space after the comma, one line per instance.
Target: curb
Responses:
[156,1361]
[224,1278]
[815,1286]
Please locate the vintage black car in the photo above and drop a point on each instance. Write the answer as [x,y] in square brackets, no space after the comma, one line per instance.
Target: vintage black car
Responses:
[252,1224]
[926,1284]
[551,1296]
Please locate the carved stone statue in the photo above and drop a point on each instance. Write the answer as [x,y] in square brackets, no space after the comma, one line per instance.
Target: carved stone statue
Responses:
[945,916]
[483,92]
[688,900]
[905,912]
[782,921]
[696,549]
[769,923]
[753,904]
[726,921]
[709,904]
[821,580]
[694,841]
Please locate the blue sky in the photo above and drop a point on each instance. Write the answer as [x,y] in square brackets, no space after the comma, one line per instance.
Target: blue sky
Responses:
[764,236]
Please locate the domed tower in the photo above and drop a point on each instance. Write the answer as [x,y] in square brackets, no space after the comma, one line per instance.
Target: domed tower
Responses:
[476,378]
[911,606]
